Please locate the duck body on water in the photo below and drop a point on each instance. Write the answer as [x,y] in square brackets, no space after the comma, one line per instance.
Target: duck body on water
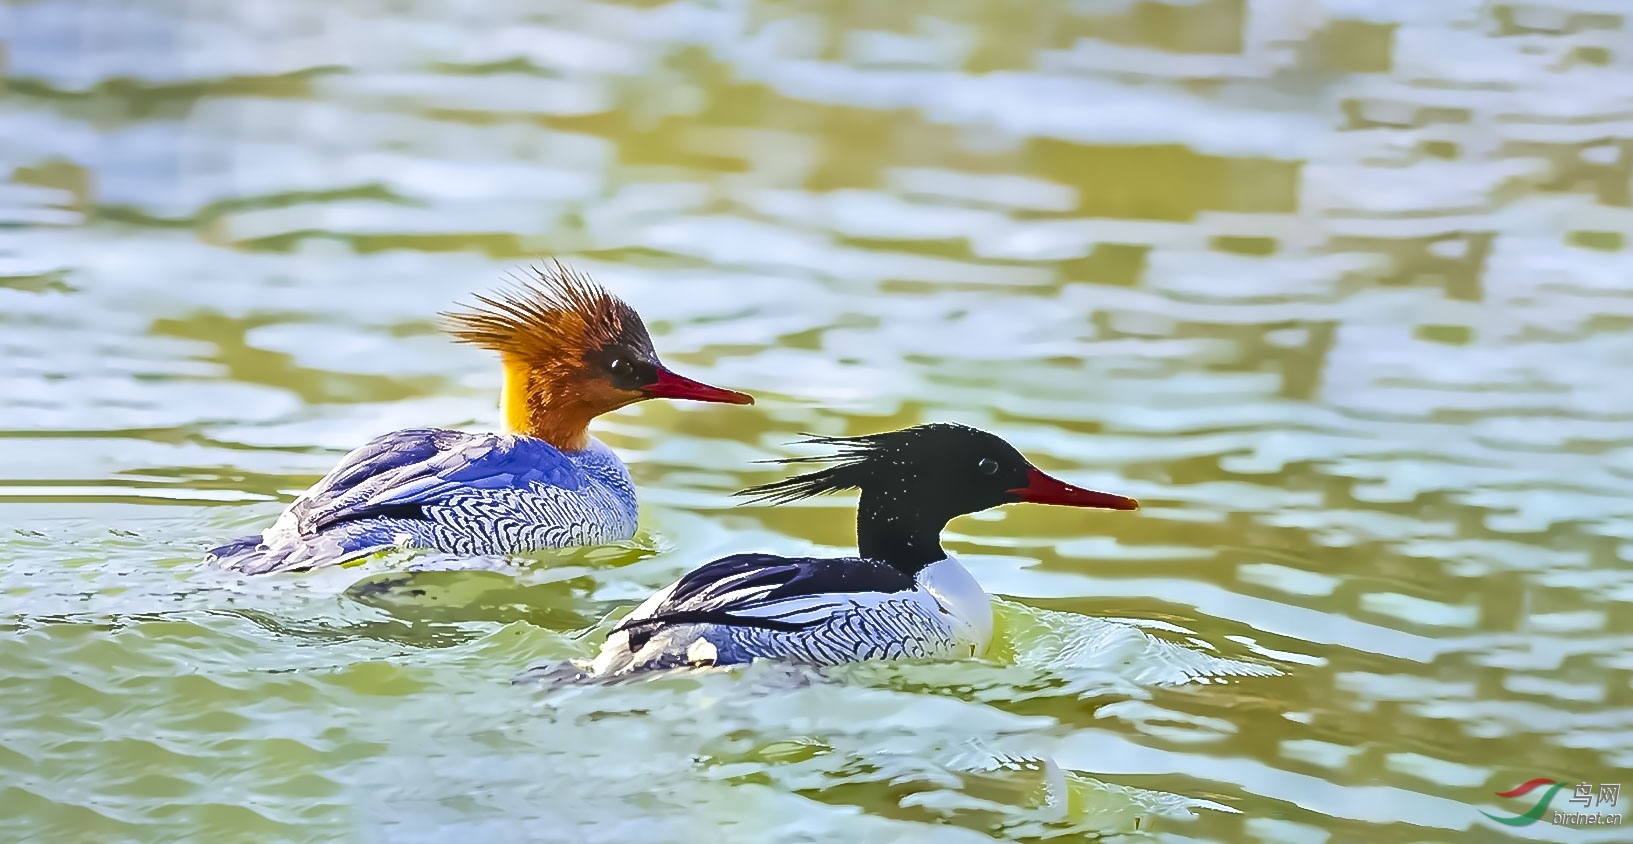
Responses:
[903,596]
[450,491]
[571,351]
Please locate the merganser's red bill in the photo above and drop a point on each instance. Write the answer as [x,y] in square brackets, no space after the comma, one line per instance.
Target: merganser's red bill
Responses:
[1042,489]
[672,386]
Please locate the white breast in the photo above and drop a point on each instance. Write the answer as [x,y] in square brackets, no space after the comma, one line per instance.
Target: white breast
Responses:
[962,598]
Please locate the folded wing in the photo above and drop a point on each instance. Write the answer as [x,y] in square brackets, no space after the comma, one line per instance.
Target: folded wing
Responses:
[763,590]
[397,474]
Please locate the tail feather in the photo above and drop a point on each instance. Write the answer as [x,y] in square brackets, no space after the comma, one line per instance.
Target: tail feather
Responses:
[253,555]
[234,550]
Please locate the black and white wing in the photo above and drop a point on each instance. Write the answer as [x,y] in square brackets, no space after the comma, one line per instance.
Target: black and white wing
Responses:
[763,591]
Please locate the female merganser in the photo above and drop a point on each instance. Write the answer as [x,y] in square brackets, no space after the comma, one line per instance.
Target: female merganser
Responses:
[571,351]
[903,597]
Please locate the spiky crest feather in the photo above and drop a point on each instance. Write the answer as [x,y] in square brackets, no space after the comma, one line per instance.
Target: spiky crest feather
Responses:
[542,319]
[857,459]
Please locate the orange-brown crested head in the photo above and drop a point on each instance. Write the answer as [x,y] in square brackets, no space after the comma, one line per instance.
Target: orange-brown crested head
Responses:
[571,352]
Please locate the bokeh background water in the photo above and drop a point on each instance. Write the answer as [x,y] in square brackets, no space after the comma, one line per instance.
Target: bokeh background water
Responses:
[1341,289]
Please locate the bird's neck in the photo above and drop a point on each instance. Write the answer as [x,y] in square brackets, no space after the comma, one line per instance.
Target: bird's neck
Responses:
[533,404]
[890,529]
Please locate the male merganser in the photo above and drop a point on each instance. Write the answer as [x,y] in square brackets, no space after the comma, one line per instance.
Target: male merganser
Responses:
[903,597]
[571,351]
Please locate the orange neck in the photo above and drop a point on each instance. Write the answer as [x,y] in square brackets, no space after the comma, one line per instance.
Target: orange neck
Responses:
[528,406]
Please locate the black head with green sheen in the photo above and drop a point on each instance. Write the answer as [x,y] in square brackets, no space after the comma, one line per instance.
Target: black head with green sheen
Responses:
[915,480]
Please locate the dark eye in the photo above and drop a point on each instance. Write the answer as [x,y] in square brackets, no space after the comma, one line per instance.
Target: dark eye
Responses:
[988,466]
[627,371]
